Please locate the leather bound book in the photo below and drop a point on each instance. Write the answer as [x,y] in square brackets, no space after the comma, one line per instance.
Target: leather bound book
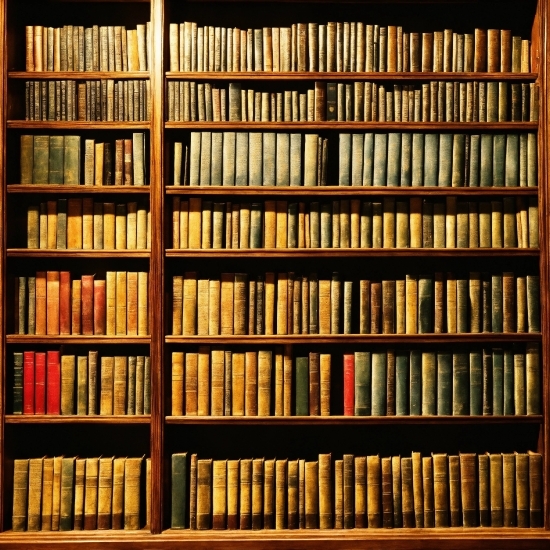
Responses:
[338,494]
[246,494]
[407,492]
[28,382]
[132,485]
[535,490]
[52,293]
[68,372]
[132,293]
[428,489]
[104,493]
[64,302]
[20,494]
[91,493]
[121,302]
[87,304]
[269,494]
[219,493]
[107,380]
[232,494]
[374,492]
[441,489]
[522,489]
[312,495]
[348,493]
[53,376]
[99,307]
[217,385]
[34,494]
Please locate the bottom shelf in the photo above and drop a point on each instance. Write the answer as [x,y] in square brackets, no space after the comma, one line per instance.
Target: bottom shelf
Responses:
[413,539]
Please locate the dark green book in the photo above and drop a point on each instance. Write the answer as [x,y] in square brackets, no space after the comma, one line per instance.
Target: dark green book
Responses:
[216,169]
[394,156]
[259,305]
[476,383]
[499,159]
[475,154]
[402,383]
[486,309]
[460,384]
[459,160]
[108,164]
[368,159]
[62,224]
[532,378]
[27,159]
[314,225]
[380,160]
[331,100]
[533,303]
[431,156]
[487,382]
[41,156]
[241,160]
[362,383]
[295,167]
[71,161]
[486,161]
[406,159]
[532,177]
[444,384]
[55,170]
[508,382]
[427,224]
[462,298]
[379,383]
[496,303]
[445,167]
[425,305]
[313,304]
[179,491]
[302,386]
[292,227]
[417,165]
[17,382]
[67,491]
[357,155]
[326,225]
[498,382]
[256,223]
[511,171]
[429,378]
[416,383]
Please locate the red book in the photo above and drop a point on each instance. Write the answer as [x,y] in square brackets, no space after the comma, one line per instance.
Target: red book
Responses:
[28,382]
[64,302]
[40,383]
[349,384]
[53,402]
[99,307]
[87,304]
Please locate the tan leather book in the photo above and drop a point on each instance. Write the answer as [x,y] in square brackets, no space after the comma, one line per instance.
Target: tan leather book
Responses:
[195,222]
[121,302]
[451,303]
[79,483]
[522,489]
[51,207]
[109,226]
[400,307]
[270,224]
[143,229]
[203,381]
[496,493]
[177,304]
[203,294]
[264,382]
[148,494]
[20,494]
[282,303]
[90,493]
[508,302]
[374,492]
[233,468]
[52,300]
[189,303]
[120,375]
[312,495]
[411,309]
[143,303]
[279,383]
[301,493]
[214,307]
[257,492]
[35,494]
[387,493]
[227,302]
[281,466]
[105,493]
[74,223]
[177,383]
[281,224]
[360,471]
[415,213]
[364,307]
[348,491]
[269,300]
[132,303]
[193,492]
[245,509]
[324,306]
[120,227]
[325,491]
[450,222]
[238,384]
[428,490]
[47,494]
[56,492]
[239,303]
[325,378]
[106,398]
[110,300]
[418,489]
[338,494]
[76,306]
[287,380]
[292,494]
[219,494]
[191,384]
[132,489]
[129,226]
[218,376]
[117,506]
[441,489]
[269,494]
[251,383]
[407,492]
[87,224]
[68,374]
[509,489]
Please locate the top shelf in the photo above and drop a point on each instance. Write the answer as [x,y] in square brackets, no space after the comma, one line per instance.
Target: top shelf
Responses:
[262,75]
[78,75]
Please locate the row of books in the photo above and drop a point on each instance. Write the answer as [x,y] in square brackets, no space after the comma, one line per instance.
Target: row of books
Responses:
[106,100]
[344,47]
[51,383]
[436,101]
[289,303]
[88,224]
[487,490]
[492,381]
[96,48]
[66,493]
[52,303]
[389,223]
[394,159]
[57,160]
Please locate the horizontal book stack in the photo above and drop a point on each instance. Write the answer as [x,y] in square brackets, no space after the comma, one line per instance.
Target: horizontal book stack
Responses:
[492,381]
[75,48]
[51,303]
[88,224]
[436,101]
[433,159]
[58,160]
[469,490]
[288,303]
[215,158]
[93,100]
[253,383]
[344,47]
[65,494]
[51,383]
[388,223]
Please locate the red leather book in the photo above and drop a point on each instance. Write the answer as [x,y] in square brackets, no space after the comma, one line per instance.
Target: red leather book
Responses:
[53,400]
[52,298]
[349,384]
[88,304]
[41,302]
[99,307]
[64,302]
[40,383]
[28,382]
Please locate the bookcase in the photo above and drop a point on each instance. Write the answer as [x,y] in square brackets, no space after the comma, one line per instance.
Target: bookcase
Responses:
[362,256]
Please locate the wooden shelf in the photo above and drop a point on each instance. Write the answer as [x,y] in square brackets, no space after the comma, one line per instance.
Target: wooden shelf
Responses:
[78,75]
[76,419]
[77,189]
[367,126]
[348,252]
[45,253]
[348,420]
[75,339]
[339,76]
[392,339]
[75,125]
[337,190]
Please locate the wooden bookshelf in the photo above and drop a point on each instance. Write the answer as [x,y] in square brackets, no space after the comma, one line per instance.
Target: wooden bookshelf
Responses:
[158,435]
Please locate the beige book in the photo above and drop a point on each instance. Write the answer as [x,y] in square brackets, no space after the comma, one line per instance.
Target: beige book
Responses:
[400,307]
[109,226]
[226,302]
[219,494]
[117,505]
[279,384]
[177,383]
[374,491]
[68,374]
[269,301]
[269,494]
[110,299]
[450,222]
[270,225]
[251,383]
[195,222]
[121,302]
[203,294]
[79,483]
[90,493]
[105,493]
[76,306]
[282,303]
[47,494]
[239,303]
[119,384]
[311,495]
[415,209]
[281,466]
[238,384]
[233,467]
[355,222]
[338,494]
[35,494]
[214,307]
[56,492]
[411,310]
[51,207]
[203,382]
[191,383]
[143,229]
[107,385]
[87,224]
[324,306]
[281,224]
[120,227]
[132,498]
[74,223]
[325,491]
[218,374]
[257,492]
[132,306]
[189,325]
[287,380]
[131,226]
[264,382]
[451,304]
[360,463]
[98,168]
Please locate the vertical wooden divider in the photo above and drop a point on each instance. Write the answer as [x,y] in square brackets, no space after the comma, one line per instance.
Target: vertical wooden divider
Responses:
[156,295]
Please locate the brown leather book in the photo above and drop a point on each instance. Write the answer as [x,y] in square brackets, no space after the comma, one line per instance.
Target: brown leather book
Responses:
[87,304]
[191,384]
[104,493]
[441,489]
[132,303]
[90,493]
[132,492]
[99,307]
[41,303]
[203,381]
[227,302]
[251,383]
[64,302]
[312,495]
[233,467]
[238,384]
[257,492]
[269,494]
[324,306]
[376,307]
[387,493]
[360,492]
[508,302]
[219,494]
[177,383]
[245,510]
[264,382]
[121,302]
[217,390]
[374,492]
[120,375]
[110,302]
[52,298]
[428,489]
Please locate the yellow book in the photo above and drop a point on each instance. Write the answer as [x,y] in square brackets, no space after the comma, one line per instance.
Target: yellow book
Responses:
[107,385]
